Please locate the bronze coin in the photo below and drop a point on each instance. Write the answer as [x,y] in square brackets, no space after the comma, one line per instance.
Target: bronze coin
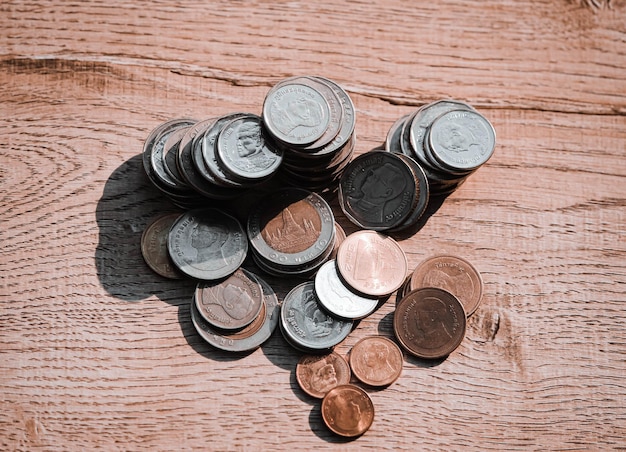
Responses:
[318,374]
[451,273]
[232,303]
[372,263]
[376,361]
[377,191]
[347,410]
[154,246]
[429,323]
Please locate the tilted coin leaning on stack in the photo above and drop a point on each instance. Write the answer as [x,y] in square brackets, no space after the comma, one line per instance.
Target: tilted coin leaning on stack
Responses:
[255,189]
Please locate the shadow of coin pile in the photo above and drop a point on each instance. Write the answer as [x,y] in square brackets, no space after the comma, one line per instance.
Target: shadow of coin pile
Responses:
[254,191]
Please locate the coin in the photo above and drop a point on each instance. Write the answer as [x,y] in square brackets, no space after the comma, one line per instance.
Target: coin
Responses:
[318,374]
[157,163]
[451,273]
[376,361]
[429,323]
[170,155]
[422,193]
[244,152]
[209,152]
[291,227]
[462,140]
[347,410]
[306,326]
[249,338]
[207,244]
[372,263]
[154,246]
[339,300]
[295,113]
[230,304]
[377,191]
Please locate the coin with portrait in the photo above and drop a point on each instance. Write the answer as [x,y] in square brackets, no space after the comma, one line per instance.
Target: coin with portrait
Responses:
[318,374]
[376,361]
[347,410]
[207,244]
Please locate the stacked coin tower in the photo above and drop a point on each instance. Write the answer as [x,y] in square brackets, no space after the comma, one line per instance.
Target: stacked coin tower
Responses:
[448,138]
[218,158]
[312,119]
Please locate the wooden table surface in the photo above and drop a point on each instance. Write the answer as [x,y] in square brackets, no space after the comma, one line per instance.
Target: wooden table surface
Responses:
[98,353]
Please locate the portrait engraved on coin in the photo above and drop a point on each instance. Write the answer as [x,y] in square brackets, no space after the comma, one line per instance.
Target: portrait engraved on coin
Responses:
[207,244]
[376,361]
[429,322]
[317,374]
[347,410]
[296,113]
[243,150]
[451,273]
[377,190]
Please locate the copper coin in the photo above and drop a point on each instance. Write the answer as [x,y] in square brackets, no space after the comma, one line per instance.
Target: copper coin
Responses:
[154,246]
[372,263]
[347,410]
[376,361]
[377,191]
[429,323]
[451,273]
[230,304]
[318,374]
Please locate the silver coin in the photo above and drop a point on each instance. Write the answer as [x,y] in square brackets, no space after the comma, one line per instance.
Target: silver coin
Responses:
[156,157]
[207,244]
[335,110]
[462,140]
[291,227]
[209,152]
[189,170]
[305,324]
[392,141]
[170,155]
[230,304]
[338,299]
[424,118]
[244,152]
[250,337]
[296,114]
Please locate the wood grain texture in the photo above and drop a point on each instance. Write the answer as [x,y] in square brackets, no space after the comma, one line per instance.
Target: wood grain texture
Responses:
[97,352]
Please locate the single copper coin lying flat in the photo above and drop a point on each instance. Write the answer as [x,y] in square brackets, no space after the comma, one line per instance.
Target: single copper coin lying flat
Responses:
[318,374]
[347,410]
[429,323]
[372,263]
[376,361]
[451,273]
[154,246]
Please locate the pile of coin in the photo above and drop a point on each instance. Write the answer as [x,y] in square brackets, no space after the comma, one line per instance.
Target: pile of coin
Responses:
[448,138]
[218,158]
[312,120]
[383,191]
[441,293]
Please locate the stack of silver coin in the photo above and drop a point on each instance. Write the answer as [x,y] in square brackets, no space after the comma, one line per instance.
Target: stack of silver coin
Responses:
[218,158]
[383,191]
[449,139]
[292,232]
[312,120]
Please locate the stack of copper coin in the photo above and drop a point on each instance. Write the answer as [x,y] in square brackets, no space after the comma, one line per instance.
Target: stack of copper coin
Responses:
[430,318]
[237,314]
[292,232]
[383,191]
[448,138]
[218,158]
[312,120]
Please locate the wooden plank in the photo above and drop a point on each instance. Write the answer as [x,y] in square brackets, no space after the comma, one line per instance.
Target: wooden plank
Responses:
[96,351]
